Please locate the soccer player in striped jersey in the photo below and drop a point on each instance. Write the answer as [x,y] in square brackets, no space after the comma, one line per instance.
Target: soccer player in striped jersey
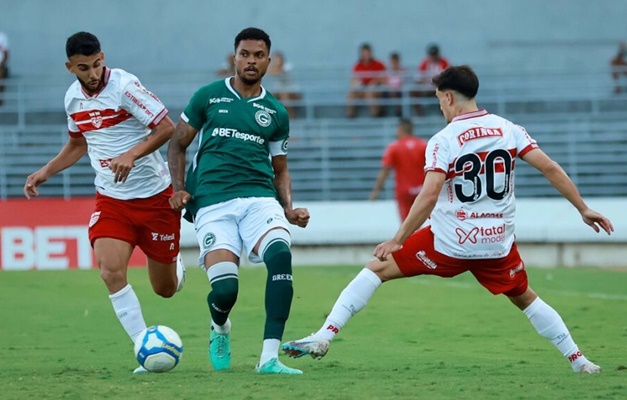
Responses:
[468,194]
[121,125]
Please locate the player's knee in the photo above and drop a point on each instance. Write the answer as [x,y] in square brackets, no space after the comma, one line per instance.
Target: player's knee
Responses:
[278,259]
[224,281]
[385,270]
[113,276]
[165,289]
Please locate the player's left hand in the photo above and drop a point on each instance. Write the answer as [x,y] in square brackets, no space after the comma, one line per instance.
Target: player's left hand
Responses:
[121,166]
[383,250]
[298,216]
[594,219]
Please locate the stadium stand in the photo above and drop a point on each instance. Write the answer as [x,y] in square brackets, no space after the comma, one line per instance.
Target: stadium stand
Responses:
[574,116]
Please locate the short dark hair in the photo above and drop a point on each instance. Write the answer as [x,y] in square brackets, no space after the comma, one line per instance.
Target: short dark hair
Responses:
[406,125]
[253,34]
[83,43]
[365,46]
[395,56]
[460,78]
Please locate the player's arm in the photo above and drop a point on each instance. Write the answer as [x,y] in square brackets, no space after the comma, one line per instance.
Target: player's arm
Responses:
[554,173]
[283,185]
[74,149]
[121,165]
[378,185]
[183,136]
[418,214]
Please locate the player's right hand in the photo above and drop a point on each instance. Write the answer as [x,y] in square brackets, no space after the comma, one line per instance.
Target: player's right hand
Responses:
[179,200]
[32,181]
[594,219]
[383,250]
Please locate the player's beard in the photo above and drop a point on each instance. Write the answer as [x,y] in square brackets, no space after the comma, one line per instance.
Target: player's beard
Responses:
[88,88]
[250,81]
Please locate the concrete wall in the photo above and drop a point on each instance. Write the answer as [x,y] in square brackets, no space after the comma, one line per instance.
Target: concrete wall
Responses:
[149,35]
[549,232]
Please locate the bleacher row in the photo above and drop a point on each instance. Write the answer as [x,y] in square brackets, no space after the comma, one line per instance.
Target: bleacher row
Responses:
[334,158]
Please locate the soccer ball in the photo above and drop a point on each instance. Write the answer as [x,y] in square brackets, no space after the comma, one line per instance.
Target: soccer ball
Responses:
[158,348]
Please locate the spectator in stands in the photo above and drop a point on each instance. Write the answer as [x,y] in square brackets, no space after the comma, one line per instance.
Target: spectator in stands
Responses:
[429,67]
[228,68]
[406,156]
[396,77]
[366,82]
[619,67]
[4,62]
[280,83]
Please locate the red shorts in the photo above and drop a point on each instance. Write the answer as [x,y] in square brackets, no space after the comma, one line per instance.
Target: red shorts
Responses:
[505,275]
[149,223]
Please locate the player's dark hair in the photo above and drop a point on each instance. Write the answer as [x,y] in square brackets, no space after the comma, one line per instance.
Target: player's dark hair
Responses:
[395,56]
[406,125]
[253,34]
[460,78]
[83,43]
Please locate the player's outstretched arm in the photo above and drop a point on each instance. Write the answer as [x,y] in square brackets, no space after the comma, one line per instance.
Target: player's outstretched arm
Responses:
[183,136]
[121,165]
[554,173]
[283,185]
[74,149]
[418,214]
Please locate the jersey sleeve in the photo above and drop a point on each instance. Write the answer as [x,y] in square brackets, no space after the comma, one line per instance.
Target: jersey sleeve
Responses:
[195,114]
[72,128]
[388,157]
[143,104]
[278,143]
[524,142]
[437,156]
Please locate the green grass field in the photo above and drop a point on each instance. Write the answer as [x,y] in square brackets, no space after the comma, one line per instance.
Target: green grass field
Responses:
[426,338]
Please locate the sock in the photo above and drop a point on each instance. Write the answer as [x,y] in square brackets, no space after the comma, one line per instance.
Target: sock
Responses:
[221,329]
[550,325]
[279,289]
[225,285]
[269,351]
[180,273]
[127,309]
[352,299]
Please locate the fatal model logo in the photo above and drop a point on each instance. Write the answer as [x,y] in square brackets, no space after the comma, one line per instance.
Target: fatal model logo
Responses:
[263,118]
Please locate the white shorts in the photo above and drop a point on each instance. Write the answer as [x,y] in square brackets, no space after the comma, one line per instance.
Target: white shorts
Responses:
[233,223]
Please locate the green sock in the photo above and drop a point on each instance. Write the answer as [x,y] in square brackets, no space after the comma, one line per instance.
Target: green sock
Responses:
[222,298]
[279,290]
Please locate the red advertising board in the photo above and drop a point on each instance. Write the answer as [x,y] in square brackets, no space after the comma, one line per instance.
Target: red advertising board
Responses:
[48,234]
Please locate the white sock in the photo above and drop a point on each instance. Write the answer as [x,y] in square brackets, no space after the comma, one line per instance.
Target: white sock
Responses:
[269,351]
[180,273]
[352,299]
[222,329]
[550,325]
[126,306]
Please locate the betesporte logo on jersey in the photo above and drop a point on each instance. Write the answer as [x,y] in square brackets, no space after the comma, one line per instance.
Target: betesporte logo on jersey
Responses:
[493,234]
[234,133]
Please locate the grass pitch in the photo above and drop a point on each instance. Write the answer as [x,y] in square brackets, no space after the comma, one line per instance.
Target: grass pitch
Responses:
[425,337]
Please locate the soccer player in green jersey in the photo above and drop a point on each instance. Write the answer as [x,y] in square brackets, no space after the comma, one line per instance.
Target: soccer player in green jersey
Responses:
[238,192]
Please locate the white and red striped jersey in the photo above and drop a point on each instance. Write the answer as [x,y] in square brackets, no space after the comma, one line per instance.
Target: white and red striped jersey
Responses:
[112,121]
[474,215]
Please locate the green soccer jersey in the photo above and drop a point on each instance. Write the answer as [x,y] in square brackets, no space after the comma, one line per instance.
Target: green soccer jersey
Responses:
[237,136]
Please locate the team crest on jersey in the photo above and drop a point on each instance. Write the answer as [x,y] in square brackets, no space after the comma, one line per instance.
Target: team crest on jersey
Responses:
[263,118]
[96,119]
[209,240]
[94,218]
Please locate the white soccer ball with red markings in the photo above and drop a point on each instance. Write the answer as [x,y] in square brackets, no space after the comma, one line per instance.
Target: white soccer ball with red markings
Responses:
[158,348]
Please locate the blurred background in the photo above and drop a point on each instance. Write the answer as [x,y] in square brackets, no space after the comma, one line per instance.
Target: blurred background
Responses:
[557,68]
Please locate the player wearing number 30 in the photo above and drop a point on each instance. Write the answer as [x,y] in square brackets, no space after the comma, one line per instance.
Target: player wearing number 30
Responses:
[231,191]
[469,194]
